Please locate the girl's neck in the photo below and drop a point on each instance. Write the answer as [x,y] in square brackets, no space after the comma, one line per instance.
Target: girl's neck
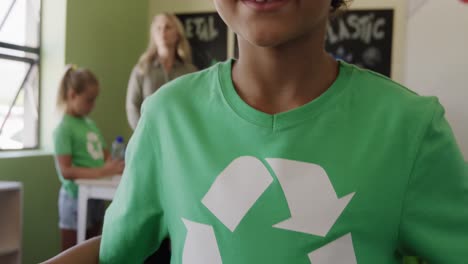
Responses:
[281,78]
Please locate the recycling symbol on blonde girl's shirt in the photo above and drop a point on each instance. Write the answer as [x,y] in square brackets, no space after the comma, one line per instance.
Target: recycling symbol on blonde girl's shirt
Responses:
[311,198]
[94,146]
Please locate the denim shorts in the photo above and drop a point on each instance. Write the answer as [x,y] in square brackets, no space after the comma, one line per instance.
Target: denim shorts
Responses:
[68,211]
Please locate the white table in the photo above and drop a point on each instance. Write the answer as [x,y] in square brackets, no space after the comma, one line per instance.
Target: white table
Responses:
[103,189]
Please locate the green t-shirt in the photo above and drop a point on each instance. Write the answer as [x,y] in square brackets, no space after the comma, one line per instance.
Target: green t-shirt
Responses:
[366,173]
[80,138]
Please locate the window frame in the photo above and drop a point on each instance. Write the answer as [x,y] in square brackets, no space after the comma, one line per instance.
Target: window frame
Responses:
[32,63]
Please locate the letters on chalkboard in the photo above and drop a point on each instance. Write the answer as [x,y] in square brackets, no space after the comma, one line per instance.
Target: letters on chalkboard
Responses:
[363,37]
[207,34]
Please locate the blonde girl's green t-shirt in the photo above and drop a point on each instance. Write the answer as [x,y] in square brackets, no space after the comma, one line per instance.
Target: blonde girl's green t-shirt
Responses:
[80,138]
[366,173]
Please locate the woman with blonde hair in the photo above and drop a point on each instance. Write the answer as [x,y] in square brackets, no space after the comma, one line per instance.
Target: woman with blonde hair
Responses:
[167,57]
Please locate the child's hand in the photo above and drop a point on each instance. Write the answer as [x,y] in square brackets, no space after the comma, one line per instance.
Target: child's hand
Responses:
[113,167]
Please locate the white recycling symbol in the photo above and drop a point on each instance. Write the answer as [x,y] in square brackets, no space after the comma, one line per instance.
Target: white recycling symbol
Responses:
[312,200]
[94,146]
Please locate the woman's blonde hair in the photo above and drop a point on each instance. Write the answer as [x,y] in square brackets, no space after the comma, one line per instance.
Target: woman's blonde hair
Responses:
[76,79]
[183,50]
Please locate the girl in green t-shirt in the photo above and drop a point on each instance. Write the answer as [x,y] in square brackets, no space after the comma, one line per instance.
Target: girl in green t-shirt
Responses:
[286,155]
[79,151]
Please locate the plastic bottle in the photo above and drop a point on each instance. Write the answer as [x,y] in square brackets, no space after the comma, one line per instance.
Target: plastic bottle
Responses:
[118,148]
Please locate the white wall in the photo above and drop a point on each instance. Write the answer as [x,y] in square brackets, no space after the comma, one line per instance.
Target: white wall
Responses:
[437,59]
[52,65]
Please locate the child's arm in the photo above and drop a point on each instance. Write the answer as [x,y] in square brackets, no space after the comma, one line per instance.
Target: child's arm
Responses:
[134,224]
[86,252]
[110,168]
[107,155]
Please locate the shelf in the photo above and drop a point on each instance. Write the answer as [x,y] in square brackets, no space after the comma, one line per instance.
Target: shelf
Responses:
[7,186]
[10,222]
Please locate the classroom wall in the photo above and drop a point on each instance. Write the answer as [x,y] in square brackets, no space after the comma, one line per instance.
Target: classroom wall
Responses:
[437,59]
[180,6]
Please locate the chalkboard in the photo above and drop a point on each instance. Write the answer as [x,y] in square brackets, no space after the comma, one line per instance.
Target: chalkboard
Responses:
[207,34]
[364,38]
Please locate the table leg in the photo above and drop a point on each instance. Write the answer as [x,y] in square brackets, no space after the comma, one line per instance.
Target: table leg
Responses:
[82,213]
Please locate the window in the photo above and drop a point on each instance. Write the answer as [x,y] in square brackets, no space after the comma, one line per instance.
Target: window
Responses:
[19,73]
